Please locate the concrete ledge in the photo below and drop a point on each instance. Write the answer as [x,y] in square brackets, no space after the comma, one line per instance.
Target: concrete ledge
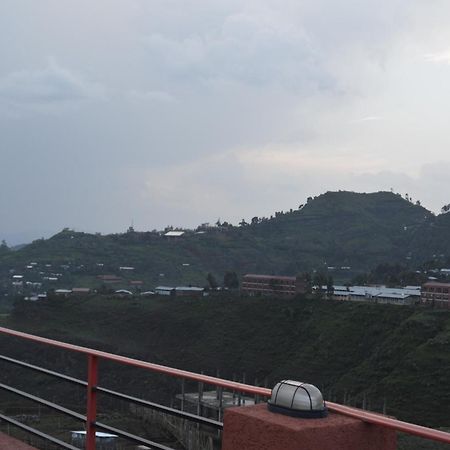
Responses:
[256,428]
[9,443]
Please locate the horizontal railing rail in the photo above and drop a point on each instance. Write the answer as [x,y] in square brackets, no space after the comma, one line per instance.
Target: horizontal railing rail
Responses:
[73,415]
[139,401]
[178,373]
[93,389]
[38,433]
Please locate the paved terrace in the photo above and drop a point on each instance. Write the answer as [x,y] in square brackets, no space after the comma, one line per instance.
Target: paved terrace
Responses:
[9,443]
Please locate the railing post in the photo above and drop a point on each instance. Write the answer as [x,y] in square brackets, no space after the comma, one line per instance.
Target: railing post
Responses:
[91,415]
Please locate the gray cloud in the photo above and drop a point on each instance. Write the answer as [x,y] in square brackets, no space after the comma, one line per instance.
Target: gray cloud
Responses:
[251,48]
[182,111]
[45,89]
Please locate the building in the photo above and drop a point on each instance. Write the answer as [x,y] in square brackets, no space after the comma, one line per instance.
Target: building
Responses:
[147,293]
[123,293]
[109,279]
[377,294]
[103,440]
[189,291]
[174,234]
[180,291]
[81,291]
[436,294]
[164,290]
[63,292]
[272,285]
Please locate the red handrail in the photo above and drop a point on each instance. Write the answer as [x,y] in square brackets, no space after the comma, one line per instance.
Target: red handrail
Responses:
[142,364]
[376,419]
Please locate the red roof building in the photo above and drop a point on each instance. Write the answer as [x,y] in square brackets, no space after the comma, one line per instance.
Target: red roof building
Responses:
[110,279]
[272,285]
[436,294]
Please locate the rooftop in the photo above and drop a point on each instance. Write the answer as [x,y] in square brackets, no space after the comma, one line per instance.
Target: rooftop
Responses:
[270,277]
[437,284]
[174,233]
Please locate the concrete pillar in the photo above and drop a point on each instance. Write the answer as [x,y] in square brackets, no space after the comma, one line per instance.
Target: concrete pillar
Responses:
[256,428]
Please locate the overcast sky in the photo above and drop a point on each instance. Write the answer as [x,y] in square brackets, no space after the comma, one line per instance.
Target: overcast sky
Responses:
[180,112]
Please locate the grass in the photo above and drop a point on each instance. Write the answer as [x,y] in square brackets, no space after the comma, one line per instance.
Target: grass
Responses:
[374,351]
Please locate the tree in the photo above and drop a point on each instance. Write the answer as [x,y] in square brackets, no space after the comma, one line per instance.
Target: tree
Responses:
[307,280]
[255,220]
[231,280]
[330,286]
[211,279]
[320,280]
[4,247]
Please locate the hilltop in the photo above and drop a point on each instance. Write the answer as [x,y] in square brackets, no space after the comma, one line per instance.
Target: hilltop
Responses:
[336,229]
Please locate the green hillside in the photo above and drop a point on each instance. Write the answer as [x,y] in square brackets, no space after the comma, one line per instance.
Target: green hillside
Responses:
[381,353]
[339,229]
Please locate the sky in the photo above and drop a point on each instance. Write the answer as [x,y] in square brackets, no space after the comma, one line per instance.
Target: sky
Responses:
[180,112]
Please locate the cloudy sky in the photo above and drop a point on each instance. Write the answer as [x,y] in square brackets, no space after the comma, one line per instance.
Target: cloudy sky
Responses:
[178,112]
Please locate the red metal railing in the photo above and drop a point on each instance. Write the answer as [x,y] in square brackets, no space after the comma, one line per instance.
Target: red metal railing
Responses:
[95,355]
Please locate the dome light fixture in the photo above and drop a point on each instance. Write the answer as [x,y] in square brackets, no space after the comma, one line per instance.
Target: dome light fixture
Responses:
[297,399]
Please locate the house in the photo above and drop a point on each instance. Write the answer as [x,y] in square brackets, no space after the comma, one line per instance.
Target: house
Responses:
[63,292]
[123,292]
[189,291]
[147,293]
[164,290]
[180,291]
[109,279]
[81,291]
[174,234]
[103,440]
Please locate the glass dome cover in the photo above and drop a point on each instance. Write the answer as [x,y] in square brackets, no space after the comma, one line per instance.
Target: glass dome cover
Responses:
[297,399]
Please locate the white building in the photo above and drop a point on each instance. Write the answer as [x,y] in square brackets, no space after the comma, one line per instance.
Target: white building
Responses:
[164,290]
[378,294]
[174,234]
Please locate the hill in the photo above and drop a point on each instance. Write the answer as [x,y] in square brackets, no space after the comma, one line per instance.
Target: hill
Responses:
[338,229]
[356,353]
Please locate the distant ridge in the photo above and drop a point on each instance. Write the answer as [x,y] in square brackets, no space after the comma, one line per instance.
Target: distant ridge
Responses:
[335,229]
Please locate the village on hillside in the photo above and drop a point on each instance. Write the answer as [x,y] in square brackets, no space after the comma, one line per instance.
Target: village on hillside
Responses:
[39,281]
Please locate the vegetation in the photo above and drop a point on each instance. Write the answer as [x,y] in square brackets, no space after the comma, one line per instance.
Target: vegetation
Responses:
[347,231]
[392,275]
[377,355]
[380,356]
